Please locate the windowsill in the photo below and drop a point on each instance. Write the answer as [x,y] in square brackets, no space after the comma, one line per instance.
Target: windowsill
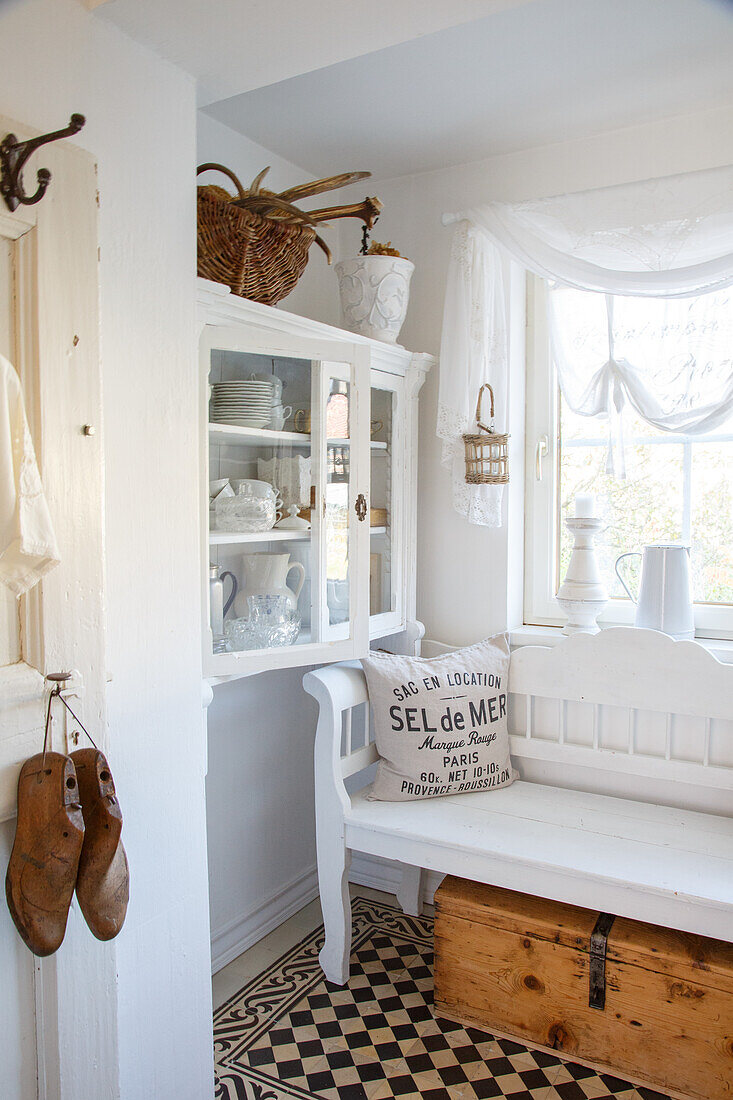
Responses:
[553,635]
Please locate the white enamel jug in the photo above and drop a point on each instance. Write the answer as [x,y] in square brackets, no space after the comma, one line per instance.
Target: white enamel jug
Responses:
[665,592]
[265,575]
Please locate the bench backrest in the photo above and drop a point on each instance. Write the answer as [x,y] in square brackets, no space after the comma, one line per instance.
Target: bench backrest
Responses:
[611,712]
[633,700]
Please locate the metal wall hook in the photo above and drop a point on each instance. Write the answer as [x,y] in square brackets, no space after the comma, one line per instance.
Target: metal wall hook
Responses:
[13,157]
[59,679]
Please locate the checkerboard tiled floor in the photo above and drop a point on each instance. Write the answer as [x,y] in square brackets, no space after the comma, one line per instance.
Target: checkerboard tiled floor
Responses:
[289,1033]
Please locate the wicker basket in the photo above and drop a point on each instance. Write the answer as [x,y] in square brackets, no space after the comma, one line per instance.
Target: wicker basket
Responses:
[487,459]
[258,258]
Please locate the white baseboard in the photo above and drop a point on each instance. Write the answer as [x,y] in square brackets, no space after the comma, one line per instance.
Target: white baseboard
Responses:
[229,941]
[385,874]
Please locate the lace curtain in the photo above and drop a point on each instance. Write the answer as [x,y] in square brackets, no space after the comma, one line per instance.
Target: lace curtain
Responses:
[669,238]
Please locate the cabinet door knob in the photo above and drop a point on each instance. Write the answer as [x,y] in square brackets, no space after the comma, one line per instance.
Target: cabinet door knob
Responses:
[361,507]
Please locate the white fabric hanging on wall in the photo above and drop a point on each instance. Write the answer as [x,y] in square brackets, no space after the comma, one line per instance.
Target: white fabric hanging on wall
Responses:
[473,350]
[667,238]
[27,541]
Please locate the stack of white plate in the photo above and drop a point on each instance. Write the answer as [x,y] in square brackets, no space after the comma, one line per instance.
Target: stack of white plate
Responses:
[246,404]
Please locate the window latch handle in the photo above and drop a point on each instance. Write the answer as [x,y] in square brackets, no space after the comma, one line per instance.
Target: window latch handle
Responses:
[541,451]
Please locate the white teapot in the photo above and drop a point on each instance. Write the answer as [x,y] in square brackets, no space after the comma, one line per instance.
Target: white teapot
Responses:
[265,575]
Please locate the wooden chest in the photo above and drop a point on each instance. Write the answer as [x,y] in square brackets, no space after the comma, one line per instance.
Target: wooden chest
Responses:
[524,968]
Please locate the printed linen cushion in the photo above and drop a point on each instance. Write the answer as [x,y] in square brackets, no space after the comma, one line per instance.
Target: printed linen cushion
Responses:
[440,723]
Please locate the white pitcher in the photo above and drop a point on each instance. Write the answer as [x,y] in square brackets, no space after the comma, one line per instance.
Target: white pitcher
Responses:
[665,600]
[265,575]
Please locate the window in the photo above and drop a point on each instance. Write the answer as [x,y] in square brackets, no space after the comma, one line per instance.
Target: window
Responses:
[677,487]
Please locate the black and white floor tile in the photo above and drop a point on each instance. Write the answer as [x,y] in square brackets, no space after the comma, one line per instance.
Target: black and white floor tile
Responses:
[289,1033]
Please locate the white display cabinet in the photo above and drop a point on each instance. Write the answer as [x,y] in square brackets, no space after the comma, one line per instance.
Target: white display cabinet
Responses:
[346,459]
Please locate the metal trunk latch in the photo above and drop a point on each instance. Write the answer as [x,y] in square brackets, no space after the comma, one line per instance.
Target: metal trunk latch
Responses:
[597,967]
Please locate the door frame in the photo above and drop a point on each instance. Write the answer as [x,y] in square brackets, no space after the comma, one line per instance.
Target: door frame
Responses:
[56,291]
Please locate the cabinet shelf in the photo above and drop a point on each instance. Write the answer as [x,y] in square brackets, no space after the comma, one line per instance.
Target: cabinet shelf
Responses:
[264,437]
[234,538]
[233,433]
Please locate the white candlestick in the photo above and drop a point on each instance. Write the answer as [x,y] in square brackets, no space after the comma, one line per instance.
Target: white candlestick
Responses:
[585,505]
[583,595]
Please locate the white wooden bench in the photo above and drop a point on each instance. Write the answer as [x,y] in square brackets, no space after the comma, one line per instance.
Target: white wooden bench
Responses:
[624,744]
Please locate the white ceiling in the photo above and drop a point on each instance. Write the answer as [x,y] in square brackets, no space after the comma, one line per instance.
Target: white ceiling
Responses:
[548,71]
[404,86]
[232,46]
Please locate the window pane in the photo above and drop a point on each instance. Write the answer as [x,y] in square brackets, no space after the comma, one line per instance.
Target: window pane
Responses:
[260,473]
[712,522]
[646,506]
[338,477]
[382,597]
[677,487]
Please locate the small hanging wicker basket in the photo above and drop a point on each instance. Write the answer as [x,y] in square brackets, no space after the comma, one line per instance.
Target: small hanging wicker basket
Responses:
[487,459]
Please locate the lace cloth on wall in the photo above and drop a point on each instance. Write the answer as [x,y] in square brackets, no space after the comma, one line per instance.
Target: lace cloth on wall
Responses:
[473,350]
[664,238]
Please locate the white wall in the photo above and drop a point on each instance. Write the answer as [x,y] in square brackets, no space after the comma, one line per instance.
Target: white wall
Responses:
[260,807]
[462,569]
[57,58]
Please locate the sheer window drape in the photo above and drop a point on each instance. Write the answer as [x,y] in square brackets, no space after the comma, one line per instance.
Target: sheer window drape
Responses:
[670,239]
[670,359]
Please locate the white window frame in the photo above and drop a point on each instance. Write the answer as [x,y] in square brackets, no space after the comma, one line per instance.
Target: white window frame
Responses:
[542,471]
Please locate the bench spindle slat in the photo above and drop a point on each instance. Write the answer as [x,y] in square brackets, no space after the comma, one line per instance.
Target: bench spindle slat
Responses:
[668,738]
[347,731]
[596,724]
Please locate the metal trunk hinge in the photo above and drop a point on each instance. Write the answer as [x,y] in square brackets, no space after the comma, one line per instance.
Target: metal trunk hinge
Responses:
[597,966]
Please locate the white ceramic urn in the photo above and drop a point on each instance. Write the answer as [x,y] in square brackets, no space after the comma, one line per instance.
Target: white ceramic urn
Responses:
[374,293]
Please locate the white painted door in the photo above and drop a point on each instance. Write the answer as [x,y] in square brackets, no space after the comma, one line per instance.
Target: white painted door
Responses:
[49,331]
[17,1030]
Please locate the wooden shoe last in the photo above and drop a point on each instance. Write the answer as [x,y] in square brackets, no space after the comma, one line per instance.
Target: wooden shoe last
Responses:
[103,883]
[41,875]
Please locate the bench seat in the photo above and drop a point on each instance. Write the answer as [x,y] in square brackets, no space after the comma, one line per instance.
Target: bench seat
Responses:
[649,862]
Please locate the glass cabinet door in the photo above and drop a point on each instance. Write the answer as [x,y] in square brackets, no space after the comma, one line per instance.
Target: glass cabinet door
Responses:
[280,493]
[387,513]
